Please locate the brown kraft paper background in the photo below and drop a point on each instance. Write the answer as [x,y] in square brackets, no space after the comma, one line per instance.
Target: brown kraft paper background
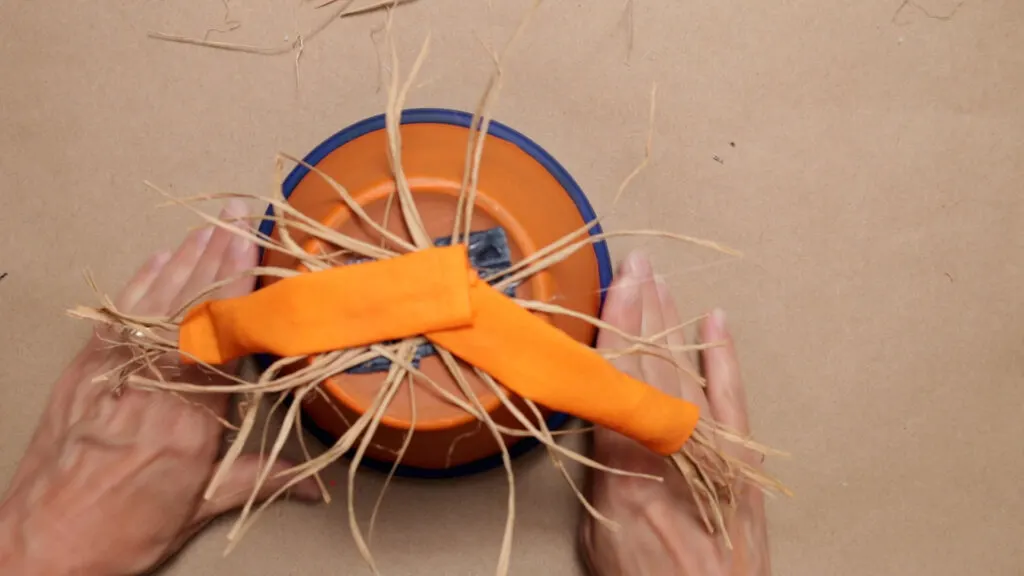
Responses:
[866,157]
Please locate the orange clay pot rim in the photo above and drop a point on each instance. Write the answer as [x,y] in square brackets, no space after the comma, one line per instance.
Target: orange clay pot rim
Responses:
[441,116]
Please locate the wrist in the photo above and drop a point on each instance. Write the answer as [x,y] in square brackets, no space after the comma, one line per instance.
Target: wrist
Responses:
[13,553]
[28,551]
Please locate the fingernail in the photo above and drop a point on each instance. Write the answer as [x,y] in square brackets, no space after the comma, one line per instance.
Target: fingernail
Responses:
[637,265]
[305,491]
[233,210]
[663,291]
[160,259]
[718,323]
[203,236]
[240,245]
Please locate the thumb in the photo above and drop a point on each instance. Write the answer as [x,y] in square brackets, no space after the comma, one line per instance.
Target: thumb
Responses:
[241,480]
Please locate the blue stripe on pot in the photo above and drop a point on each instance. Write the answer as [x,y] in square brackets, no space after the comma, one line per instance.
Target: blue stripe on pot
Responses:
[455,118]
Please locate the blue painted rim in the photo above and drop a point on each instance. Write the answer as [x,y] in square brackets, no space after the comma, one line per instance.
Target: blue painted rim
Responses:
[498,130]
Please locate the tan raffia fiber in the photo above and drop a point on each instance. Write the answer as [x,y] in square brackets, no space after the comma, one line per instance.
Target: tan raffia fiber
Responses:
[711,470]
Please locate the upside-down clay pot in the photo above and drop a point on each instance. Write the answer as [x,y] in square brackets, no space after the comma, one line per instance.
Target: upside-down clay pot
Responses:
[524,196]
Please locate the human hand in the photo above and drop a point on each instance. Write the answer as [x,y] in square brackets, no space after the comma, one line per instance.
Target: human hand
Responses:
[660,530]
[112,484]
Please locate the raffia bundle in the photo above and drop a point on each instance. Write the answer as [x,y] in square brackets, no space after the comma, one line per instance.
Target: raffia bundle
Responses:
[698,455]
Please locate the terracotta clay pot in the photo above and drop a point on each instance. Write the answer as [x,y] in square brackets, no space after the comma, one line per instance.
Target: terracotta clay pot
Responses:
[522,191]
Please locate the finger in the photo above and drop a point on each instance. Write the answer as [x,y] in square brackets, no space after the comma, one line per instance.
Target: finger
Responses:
[174,274]
[137,287]
[241,256]
[685,372]
[241,480]
[235,257]
[205,271]
[676,338]
[726,395]
[658,370]
[623,308]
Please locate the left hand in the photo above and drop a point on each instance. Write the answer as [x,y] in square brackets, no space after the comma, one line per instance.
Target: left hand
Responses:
[113,484]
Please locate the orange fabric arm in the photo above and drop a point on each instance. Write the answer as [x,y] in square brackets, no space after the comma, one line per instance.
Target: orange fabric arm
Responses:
[540,362]
[338,308]
[435,293]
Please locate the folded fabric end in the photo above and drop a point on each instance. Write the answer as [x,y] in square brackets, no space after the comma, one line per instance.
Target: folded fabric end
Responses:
[539,362]
[676,418]
[197,337]
[334,309]
[660,421]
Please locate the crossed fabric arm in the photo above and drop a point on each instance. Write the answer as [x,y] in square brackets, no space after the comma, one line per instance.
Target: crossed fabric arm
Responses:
[436,293]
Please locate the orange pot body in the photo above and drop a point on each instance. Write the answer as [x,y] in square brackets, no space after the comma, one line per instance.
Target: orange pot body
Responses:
[516,193]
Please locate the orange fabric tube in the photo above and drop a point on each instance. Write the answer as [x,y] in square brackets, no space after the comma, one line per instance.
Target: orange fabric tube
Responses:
[337,308]
[537,361]
[435,293]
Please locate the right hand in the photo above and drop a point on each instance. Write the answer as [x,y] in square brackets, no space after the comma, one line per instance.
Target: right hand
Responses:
[660,531]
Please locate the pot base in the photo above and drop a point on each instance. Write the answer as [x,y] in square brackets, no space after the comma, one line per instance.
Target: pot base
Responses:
[523,191]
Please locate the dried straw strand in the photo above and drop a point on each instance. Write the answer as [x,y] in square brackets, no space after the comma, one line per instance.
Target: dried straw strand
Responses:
[505,555]
[235,449]
[398,459]
[299,432]
[560,466]
[353,205]
[481,123]
[344,11]
[392,121]
[392,384]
